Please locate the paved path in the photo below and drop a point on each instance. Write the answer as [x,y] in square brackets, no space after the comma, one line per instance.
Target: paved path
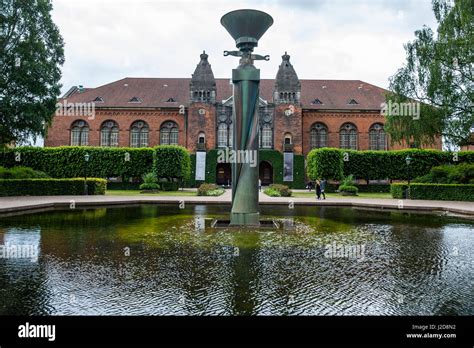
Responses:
[32,204]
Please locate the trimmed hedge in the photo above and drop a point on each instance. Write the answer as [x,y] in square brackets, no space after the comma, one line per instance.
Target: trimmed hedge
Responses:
[68,161]
[51,187]
[171,162]
[442,192]
[328,163]
[398,190]
[325,163]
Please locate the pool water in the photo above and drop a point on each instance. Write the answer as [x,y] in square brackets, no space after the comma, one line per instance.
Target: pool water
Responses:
[161,260]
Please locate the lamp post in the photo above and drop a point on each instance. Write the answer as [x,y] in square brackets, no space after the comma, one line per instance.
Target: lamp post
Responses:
[246,27]
[86,162]
[408,161]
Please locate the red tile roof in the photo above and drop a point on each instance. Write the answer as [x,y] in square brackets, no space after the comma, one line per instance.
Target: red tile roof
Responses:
[154,92]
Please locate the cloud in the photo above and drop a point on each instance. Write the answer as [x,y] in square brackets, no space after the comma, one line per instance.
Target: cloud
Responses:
[107,40]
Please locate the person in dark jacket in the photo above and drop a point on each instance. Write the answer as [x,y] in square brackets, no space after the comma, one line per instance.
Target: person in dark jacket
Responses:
[323,187]
[318,189]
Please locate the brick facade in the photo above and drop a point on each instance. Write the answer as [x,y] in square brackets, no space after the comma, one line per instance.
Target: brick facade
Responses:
[198,105]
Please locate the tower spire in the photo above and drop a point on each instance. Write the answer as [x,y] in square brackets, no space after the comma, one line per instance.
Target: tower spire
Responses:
[287,85]
[202,87]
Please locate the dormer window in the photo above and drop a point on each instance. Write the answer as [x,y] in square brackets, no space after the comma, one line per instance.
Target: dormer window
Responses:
[135,100]
[98,100]
[317,102]
[171,100]
[353,102]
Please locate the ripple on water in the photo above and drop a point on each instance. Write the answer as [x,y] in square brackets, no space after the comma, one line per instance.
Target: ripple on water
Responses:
[423,267]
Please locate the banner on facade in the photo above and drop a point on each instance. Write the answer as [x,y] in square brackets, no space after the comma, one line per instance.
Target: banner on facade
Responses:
[200,166]
[288,166]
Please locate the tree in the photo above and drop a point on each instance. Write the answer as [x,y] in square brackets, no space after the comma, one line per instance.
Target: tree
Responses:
[31,53]
[439,74]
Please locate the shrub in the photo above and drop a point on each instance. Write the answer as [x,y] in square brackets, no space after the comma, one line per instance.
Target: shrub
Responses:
[283,190]
[343,189]
[47,187]
[203,189]
[216,192]
[150,182]
[169,185]
[150,178]
[272,192]
[460,174]
[149,186]
[444,192]
[348,181]
[21,173]
[209,190]
[325,163]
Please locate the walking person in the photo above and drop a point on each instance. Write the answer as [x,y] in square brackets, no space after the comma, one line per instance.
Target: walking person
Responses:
[323,187]
[318,189]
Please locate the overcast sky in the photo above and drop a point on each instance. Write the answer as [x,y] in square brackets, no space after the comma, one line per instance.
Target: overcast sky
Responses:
[107,40]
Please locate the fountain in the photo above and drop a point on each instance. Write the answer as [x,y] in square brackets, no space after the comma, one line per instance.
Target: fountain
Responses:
[246,27]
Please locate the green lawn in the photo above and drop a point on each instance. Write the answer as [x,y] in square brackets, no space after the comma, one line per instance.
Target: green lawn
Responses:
[312,194]
[137,192]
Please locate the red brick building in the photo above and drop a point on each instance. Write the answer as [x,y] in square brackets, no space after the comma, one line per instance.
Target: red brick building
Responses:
[295,115]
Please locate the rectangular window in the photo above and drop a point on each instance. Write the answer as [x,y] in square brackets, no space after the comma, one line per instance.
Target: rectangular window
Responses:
[222,137]
[75,138]
[134,139]
[174,137]
[144,139]
[165,138]
[266,138]
[84,138]
[114,139]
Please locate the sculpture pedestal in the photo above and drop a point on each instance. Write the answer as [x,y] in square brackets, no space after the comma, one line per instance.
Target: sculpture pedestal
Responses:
[247,219]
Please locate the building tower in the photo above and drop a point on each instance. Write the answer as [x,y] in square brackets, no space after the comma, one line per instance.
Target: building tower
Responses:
[288,113]
[201,123]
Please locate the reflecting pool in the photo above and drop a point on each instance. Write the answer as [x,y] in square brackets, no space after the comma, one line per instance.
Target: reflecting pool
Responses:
[161,260]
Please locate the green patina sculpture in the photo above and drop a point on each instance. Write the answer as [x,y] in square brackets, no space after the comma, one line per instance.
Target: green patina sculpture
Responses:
[246,27]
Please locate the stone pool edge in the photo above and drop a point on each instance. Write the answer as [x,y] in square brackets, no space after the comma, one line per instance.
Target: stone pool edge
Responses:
[25,205]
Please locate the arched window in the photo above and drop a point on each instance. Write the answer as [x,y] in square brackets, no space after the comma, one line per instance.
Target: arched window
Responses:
[139,134]
[109,133]
[223,135]
[377,139]
[319,136]
[169,133]
[288,139]
[267,136]
[201,138]
[79,133]
[348,136]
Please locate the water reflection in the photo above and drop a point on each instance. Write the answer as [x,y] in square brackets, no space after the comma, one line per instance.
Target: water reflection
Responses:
[161,260]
